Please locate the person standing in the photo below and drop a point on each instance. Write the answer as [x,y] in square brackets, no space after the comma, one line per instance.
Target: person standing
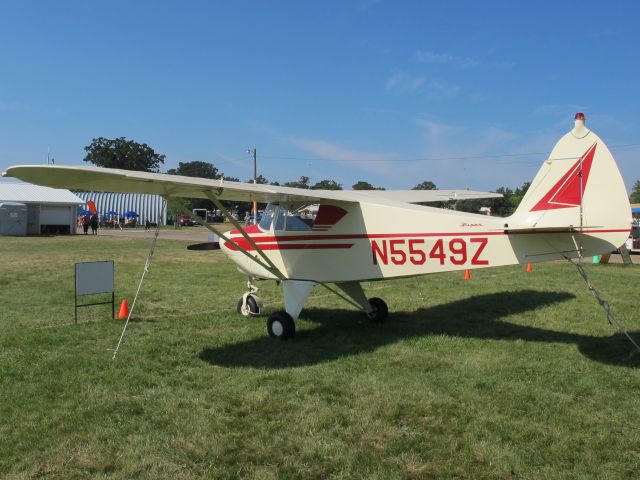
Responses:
[86,221]
[94,224]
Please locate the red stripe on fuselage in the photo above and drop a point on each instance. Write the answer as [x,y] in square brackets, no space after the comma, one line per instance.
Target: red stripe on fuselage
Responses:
[360,236]
[292,246]
[279,242]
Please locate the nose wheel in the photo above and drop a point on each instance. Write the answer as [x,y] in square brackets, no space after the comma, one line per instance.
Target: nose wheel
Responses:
[250,303]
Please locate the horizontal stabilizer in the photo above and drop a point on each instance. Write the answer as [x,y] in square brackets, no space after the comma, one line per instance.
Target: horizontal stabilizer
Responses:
[568,229]
[204,246]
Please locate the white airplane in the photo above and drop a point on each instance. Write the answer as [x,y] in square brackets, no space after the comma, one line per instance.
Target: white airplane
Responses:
[577,205]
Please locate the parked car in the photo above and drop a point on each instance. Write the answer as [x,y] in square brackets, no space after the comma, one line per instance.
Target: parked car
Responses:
[185,221]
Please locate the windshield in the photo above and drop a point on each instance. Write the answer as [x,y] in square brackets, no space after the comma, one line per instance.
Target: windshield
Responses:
[267,217]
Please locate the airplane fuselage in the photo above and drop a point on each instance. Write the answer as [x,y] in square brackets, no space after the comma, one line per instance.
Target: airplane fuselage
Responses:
[372,241]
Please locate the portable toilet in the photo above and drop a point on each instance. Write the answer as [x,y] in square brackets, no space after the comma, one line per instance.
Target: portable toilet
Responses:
[13,219]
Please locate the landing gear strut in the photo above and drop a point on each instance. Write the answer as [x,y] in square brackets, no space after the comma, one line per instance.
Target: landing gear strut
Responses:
[250,303]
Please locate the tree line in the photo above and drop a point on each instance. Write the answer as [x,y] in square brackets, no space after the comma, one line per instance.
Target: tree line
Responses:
[130,155]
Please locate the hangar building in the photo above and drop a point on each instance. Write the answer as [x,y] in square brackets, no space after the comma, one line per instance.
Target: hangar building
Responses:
[147,206]
[48,210]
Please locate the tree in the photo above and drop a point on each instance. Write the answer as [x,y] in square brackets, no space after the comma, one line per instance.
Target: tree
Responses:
[635,193]
[326,185]
[124,154]
[518,195]
[500,207]
[260,180]
[176,207]
[200,169]
[426,185]
[302,183]
[362,185]
[196,169]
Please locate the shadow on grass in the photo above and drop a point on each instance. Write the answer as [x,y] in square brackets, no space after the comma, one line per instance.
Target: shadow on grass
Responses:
[343,333]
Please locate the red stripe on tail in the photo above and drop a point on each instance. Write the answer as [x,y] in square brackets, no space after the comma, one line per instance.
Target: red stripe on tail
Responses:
[566,192]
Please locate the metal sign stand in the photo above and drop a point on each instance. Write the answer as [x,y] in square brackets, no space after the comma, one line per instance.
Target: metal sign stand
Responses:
[92,278]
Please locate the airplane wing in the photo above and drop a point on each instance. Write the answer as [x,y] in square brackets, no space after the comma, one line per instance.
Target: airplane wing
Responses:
[424,196]
[114,180]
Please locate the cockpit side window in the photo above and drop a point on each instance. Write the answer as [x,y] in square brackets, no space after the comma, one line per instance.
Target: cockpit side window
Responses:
[292,220]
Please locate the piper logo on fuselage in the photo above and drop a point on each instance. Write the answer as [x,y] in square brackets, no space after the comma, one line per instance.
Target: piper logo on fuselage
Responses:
[418,251]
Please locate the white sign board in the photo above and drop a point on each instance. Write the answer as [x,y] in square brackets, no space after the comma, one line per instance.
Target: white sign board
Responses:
[94,277]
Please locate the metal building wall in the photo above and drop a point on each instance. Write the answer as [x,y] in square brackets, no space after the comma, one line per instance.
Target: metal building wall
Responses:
[149,207]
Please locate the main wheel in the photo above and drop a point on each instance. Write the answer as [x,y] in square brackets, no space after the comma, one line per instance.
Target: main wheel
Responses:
[252,307]
[380,310]
[281,325]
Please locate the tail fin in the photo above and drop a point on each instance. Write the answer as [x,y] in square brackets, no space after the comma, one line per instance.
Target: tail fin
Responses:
[578,188]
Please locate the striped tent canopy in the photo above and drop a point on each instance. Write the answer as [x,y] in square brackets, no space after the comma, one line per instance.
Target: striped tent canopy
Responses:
[149,207]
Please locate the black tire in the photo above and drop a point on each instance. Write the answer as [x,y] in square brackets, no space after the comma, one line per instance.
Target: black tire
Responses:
[380,310]
[252,306]
[281,325]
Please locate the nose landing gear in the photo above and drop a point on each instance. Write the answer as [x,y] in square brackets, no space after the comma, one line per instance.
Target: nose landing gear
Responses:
[250,303]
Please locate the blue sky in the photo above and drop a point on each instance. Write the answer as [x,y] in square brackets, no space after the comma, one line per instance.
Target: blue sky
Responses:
[465,94]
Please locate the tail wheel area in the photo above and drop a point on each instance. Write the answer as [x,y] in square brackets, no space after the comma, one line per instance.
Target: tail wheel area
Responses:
[380,310]
[251,307]
[281,325]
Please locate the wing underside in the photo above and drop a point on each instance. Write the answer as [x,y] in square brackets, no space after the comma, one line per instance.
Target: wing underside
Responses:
[128,181]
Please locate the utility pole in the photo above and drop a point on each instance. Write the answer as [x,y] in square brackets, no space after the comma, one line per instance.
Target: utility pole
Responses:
[50,159]
[255,175]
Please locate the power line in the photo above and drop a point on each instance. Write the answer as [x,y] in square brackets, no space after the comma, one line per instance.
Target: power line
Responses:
[432,159]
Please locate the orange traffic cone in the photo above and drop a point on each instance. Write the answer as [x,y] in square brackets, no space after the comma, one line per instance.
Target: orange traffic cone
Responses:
[124,310]
[467,275]
[529,267]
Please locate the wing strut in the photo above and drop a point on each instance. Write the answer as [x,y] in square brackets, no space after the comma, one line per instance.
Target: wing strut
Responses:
[269,266]
[236,224]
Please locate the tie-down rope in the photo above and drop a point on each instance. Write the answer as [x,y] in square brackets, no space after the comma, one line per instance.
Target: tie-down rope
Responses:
[144,272]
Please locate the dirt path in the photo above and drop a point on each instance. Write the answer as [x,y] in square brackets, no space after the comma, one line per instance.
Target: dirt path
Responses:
[196,234]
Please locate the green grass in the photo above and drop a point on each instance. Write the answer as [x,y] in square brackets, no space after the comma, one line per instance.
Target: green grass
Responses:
[510,375]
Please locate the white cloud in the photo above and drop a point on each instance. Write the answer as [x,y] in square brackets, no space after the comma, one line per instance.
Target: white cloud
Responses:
[423,56]
[481,157]
[478,157]
[403,83]
[332,151]
[452,156]
[361,164]
[440,89]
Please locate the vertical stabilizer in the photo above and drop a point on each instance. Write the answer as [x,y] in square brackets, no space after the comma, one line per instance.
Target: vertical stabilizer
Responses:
[579,186]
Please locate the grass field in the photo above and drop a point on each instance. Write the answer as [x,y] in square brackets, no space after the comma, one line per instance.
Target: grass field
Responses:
[510,375]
